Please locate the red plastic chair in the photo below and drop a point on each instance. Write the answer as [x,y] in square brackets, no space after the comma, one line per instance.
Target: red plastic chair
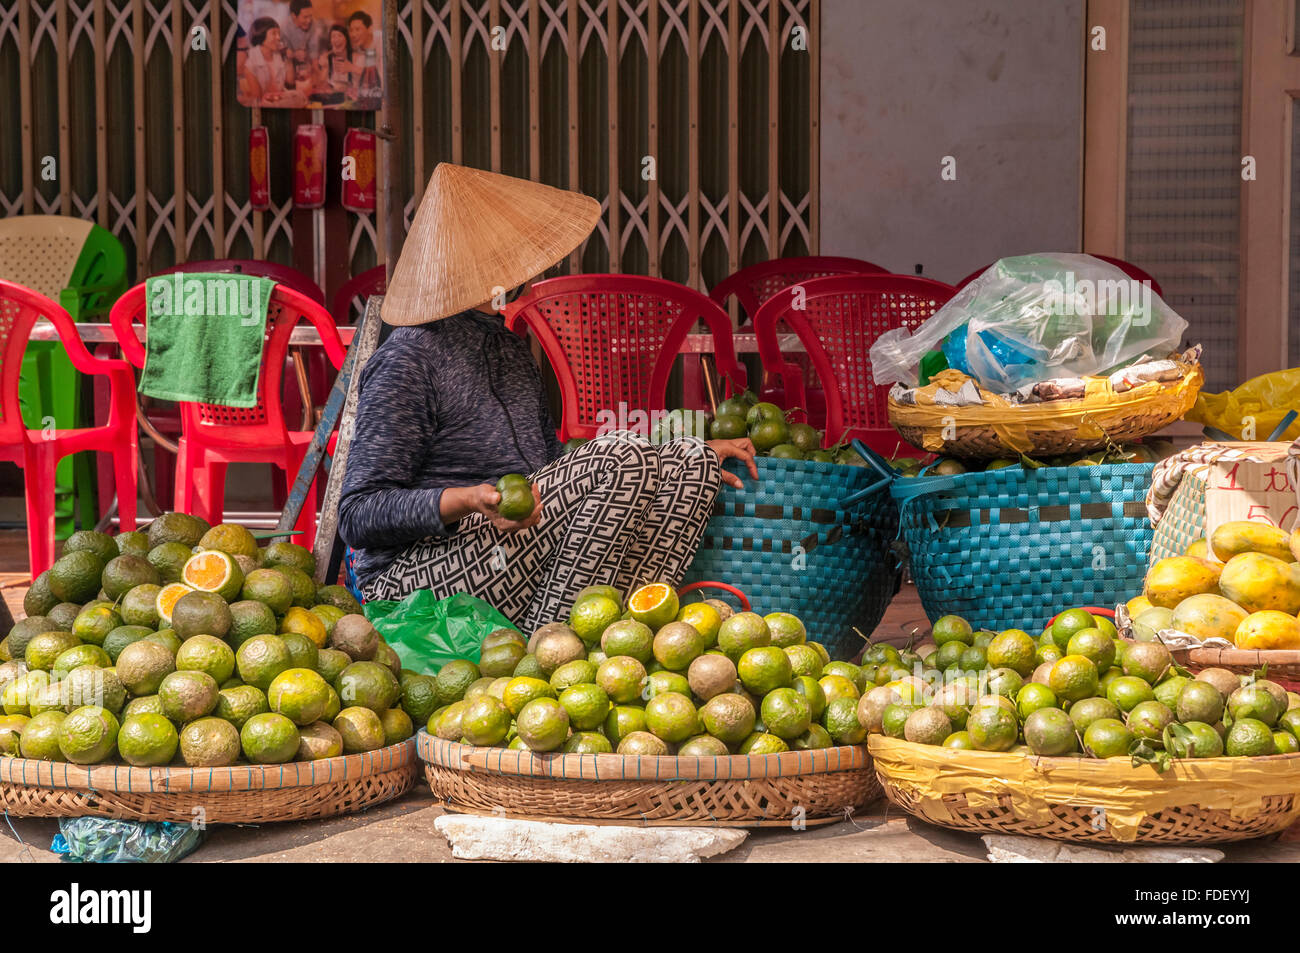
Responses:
[1133,271]
[318,379]
[212,437]
[841,318]
[373,281]
[754,285]
[39,451]
[612,339]
[280,274]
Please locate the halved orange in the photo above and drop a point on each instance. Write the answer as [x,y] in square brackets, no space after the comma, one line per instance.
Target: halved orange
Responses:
[214,571]
[168,596]
[654,605]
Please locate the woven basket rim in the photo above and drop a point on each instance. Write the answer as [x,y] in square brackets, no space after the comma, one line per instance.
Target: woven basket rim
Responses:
[617,767]
[1062,769]
[183,780]
[918,486]
[1256,657]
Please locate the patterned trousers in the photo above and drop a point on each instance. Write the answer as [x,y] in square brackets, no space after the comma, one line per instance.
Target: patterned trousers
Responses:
[616,511]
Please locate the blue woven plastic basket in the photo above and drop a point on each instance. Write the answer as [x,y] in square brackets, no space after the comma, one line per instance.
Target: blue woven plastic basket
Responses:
[1010,548]
[808,538]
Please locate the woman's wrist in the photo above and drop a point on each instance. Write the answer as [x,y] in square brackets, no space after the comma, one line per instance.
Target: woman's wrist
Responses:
[455,503]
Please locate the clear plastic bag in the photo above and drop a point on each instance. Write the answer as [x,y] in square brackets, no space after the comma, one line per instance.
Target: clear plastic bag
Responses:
[107,841]
[1034,318]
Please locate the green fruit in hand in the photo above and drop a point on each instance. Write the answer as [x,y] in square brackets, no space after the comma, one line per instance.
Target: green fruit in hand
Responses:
[517,501]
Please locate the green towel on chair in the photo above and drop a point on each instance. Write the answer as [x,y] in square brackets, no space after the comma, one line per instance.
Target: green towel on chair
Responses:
[205,337]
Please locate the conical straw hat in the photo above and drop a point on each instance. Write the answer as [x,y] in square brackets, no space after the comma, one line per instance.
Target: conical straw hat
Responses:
[478,232]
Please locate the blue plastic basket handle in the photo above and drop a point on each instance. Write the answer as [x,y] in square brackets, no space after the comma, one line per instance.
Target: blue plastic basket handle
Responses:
[1281,427]
[877,463]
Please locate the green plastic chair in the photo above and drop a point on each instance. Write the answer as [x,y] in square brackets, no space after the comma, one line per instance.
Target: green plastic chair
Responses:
[83,267]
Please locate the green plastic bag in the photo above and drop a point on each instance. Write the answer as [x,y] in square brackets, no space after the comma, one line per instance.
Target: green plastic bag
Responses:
[427,632]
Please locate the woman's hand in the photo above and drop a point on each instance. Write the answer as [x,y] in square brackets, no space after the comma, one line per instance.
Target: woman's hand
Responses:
[458,502]
[741,449]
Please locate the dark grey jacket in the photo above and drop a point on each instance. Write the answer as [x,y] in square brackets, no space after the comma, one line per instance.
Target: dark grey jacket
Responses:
[457,402]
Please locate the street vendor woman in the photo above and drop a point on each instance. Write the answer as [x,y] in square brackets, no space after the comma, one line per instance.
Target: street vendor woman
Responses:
[452,401]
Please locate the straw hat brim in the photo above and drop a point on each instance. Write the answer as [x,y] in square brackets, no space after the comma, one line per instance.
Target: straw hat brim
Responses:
[477,234]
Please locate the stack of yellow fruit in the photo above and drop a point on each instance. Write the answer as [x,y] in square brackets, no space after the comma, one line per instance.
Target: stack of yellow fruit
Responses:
[1243,586]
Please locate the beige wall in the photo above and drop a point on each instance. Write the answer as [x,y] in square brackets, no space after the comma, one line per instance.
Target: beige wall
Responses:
[997,84]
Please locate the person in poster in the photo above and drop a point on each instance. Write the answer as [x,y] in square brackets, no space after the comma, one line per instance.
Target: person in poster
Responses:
[366,55]
[304,39]
[263,79]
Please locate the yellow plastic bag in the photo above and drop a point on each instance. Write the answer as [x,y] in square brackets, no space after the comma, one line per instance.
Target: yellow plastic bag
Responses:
[1254,409]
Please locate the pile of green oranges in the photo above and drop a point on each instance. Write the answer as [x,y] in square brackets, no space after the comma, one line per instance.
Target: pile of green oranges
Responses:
[191,644]
[650,676]
[1077,690]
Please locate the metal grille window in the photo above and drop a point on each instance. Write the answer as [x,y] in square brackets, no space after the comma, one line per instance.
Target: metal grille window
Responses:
[1184,160]
[698,116]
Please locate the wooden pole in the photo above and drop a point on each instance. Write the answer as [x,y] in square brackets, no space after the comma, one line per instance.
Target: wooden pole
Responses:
[652,139]
[417,98]
[102,201]
[693,140]
[390,196]
[179,42]
[733,143]
[456,55]
[218,136]
[25,103]
[575,259]
[494,82]
[535,90]
[773,129]
[615,190]
[141,178]
[814,127]
[65,127]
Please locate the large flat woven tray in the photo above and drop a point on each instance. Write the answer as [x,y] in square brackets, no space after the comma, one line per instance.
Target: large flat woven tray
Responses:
[775,790]
[1096,801]
[238,794]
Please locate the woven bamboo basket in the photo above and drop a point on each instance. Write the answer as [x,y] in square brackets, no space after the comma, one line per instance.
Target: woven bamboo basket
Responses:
[1201,801]
[775,790]
[1280,665]
[239,794]
[1048,429]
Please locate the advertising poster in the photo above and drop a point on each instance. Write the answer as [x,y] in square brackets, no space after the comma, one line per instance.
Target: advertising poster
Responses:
[310,54]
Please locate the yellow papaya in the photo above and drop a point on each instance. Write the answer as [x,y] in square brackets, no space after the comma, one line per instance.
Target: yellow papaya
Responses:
[1138,605]
[1268,629]
[1172,579]
[1295,543]
[1257,582]
[1200,549]
[1208,616]
[1246,536]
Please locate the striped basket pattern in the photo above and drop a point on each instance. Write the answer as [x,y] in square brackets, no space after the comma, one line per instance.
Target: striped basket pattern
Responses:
[797,541]
[235,794]
[772,790]
[1010,548]
[1183,521]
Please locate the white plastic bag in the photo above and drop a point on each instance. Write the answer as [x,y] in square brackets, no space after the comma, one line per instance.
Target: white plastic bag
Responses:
[1034,318]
